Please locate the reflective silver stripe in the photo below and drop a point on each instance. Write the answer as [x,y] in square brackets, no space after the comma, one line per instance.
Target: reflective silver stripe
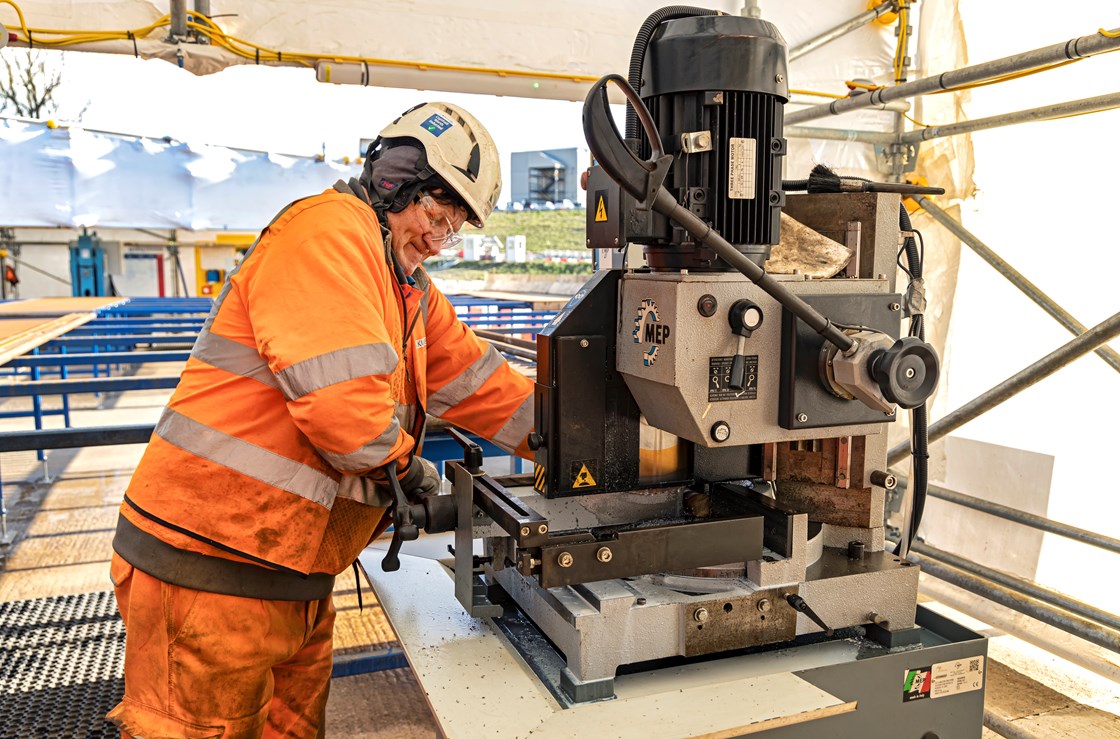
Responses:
[465,384]
[517,427]
[246,458]
[335,367]
[368,455]
[232,356]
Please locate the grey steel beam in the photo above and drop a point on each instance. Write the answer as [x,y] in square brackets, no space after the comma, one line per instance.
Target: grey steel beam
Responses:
[1045,113]
[1059,618]
[842,30]
[1031,520]
[1043,368]
[1077,48]
[1021,585]
[1013,276]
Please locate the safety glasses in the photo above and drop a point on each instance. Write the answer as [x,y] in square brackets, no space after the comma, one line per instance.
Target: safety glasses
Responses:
[444,232]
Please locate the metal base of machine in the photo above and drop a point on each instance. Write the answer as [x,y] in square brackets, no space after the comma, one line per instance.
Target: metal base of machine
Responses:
[477,680]
[600,627]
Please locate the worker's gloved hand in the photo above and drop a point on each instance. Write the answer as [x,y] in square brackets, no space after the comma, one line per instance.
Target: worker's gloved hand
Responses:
[421,478]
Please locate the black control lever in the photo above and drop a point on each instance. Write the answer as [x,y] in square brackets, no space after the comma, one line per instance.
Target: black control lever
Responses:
[798,604]
[404,527]
[472,453]
[745,317]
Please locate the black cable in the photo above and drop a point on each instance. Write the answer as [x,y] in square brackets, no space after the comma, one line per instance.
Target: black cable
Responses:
[919,432]
[638,55]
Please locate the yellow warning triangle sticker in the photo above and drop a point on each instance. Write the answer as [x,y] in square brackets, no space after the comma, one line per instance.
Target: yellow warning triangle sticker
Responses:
[601,216]
[584,478]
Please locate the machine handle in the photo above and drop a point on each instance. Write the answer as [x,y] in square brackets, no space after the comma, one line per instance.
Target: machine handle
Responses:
[404,527]
[640,178]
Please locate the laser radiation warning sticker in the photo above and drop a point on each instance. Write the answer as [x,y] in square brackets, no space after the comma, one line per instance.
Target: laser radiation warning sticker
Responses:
[601,206]
[581,474]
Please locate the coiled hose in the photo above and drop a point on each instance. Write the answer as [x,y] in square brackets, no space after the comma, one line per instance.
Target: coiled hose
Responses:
[641,42]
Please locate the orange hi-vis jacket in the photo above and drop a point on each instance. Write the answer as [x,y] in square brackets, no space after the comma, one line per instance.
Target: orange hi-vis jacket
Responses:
[315,367]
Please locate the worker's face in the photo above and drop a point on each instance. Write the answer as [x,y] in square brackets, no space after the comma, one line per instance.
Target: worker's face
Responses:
[424,228]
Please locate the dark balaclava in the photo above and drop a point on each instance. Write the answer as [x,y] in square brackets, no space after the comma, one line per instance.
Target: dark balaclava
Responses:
[393,173]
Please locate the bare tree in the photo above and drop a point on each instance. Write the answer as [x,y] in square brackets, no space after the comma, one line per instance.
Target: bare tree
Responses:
[28,82]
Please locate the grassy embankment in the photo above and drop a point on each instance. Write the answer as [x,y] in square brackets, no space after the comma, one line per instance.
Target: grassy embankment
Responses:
[544,230]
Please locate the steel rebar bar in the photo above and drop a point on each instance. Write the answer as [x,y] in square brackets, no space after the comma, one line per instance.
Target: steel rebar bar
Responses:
[1057,617]
[1077,48]
[1013,276]
[1021,585]
[1043,368]
[1031,520]
[1045,113]
[843,29]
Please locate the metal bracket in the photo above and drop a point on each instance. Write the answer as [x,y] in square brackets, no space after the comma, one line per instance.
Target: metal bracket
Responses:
[896,159]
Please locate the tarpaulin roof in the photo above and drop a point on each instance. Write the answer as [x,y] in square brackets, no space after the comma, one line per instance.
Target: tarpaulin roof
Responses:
[70,177]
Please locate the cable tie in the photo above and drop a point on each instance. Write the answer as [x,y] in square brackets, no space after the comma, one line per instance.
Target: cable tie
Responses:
[279,56]
[258,50]
[30,40]
[365,73]
[135,50]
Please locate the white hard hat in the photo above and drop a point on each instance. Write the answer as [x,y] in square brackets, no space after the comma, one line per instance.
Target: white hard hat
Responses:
[459,149]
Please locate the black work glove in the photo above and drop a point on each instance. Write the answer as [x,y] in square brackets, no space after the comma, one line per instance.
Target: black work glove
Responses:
[421,478]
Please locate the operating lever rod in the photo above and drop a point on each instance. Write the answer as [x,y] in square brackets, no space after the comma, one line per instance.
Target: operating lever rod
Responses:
[667,205]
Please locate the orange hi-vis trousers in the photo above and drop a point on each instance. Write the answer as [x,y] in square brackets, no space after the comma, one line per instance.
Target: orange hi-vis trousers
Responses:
[201,664]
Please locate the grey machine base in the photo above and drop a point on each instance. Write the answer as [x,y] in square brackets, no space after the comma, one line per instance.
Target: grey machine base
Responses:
[884,684]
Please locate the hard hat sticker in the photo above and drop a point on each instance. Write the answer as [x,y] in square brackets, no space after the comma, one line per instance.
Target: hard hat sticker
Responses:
[581,474]
[436,124]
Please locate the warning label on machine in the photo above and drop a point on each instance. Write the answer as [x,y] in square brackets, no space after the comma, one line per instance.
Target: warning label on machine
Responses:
[740,169]
[943,679]
[719,379]
[582,473]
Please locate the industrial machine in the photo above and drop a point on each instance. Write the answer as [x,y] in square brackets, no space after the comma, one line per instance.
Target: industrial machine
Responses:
[89,265]
[710,446]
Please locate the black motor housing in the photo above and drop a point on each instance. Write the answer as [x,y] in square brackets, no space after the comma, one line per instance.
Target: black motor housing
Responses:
[723,76]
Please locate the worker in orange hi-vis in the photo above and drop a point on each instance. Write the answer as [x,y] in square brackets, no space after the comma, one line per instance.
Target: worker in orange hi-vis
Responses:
[313,374]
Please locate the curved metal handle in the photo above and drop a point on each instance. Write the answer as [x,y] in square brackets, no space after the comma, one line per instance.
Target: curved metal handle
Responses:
[640,178]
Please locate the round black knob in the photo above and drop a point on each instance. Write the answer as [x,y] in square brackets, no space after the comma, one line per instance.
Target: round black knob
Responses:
[535,441]
[744,317]
[907,372]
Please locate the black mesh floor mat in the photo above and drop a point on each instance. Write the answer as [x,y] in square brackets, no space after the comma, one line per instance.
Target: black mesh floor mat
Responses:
[61,666]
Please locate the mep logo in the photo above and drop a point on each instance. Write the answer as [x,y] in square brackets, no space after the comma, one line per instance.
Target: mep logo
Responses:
[436,124]
[917,683]
[649,331]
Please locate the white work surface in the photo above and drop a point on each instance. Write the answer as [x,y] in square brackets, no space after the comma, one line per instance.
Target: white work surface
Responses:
[478,685]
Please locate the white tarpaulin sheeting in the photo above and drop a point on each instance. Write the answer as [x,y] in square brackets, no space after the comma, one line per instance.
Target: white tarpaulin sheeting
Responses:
[69,177]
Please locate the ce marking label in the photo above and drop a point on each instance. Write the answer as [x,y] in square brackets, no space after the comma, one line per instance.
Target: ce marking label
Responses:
[719,379]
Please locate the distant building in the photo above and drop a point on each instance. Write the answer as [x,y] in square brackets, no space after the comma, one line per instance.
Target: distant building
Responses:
[550,176]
